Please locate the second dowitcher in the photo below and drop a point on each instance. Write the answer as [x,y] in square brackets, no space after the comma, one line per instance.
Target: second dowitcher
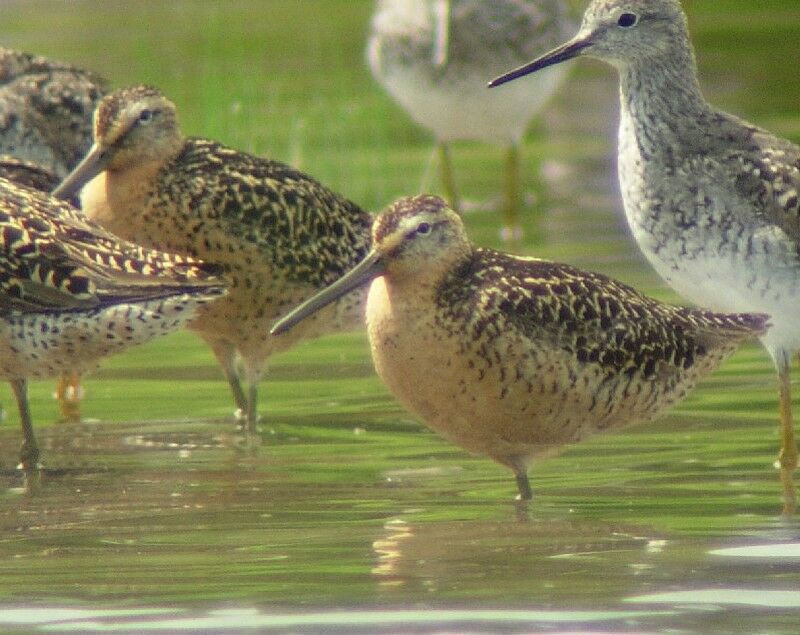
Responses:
[279,234]
[512,357]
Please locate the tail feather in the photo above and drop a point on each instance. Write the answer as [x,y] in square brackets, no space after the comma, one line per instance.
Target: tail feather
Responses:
[732,326]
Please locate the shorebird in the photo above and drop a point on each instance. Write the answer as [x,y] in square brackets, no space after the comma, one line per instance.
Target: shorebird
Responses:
[712,201]
[434,57]
[512,357]
[69,391]
[279,234]
[46,110]
[72,293]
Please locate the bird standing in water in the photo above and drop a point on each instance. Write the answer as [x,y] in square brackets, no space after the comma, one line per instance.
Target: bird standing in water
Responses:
[72,293]
[69,391]
[434,57]
[46,109]
[511,357]
[712,201]
[279,234]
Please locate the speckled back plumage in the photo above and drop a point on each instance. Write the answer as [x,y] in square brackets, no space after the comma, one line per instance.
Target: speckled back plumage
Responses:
[512,357]
[54,259]
[30,174]
[46,109]
[27,173]
[278,234]
[306,233]
[631,342]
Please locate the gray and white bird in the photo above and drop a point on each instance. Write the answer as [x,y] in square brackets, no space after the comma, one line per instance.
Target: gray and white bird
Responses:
[712,201]
[434,58]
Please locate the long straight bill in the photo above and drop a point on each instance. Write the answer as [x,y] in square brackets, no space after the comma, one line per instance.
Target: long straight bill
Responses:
[562,53]
[364,272]
[91,165]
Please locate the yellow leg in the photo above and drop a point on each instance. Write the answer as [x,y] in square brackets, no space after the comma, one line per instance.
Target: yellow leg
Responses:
[448,180]
[512,201]
[69,393]
[787,459]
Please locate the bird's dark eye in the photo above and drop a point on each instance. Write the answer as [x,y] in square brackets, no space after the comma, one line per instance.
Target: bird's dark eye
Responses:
[146,116]
[423,228]
[627,20]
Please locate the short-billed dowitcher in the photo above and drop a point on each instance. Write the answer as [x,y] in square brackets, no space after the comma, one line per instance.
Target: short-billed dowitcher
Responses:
[72,293]
[46,109]
[511,357]
[712,200]
[279,234]
[434,57]
[69,391]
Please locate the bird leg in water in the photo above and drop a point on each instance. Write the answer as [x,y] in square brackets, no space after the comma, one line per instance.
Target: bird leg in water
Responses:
[787,459]
[29,453]
[225,353]
[524,486]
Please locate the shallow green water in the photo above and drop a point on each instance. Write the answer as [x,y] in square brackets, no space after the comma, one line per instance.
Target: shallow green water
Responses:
[351,516]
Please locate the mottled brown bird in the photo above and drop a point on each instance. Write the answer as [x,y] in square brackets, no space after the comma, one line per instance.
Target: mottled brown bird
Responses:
[72,293]
[46,109]
[279,234]
[511,357]
[69,391]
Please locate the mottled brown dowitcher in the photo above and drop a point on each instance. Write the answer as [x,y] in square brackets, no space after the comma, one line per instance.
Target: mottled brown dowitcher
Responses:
[72,293]
[712,201]
[279,234]
[434,58]
[69,391]
[512,357]
[46,109]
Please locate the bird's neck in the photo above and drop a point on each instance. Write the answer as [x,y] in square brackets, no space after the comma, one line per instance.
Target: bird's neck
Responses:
[117,198]
[660,99]
[423,283]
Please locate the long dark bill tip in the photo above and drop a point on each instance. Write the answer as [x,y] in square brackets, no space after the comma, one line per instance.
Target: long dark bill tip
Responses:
[559,54]
[367,270]
[92,164]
